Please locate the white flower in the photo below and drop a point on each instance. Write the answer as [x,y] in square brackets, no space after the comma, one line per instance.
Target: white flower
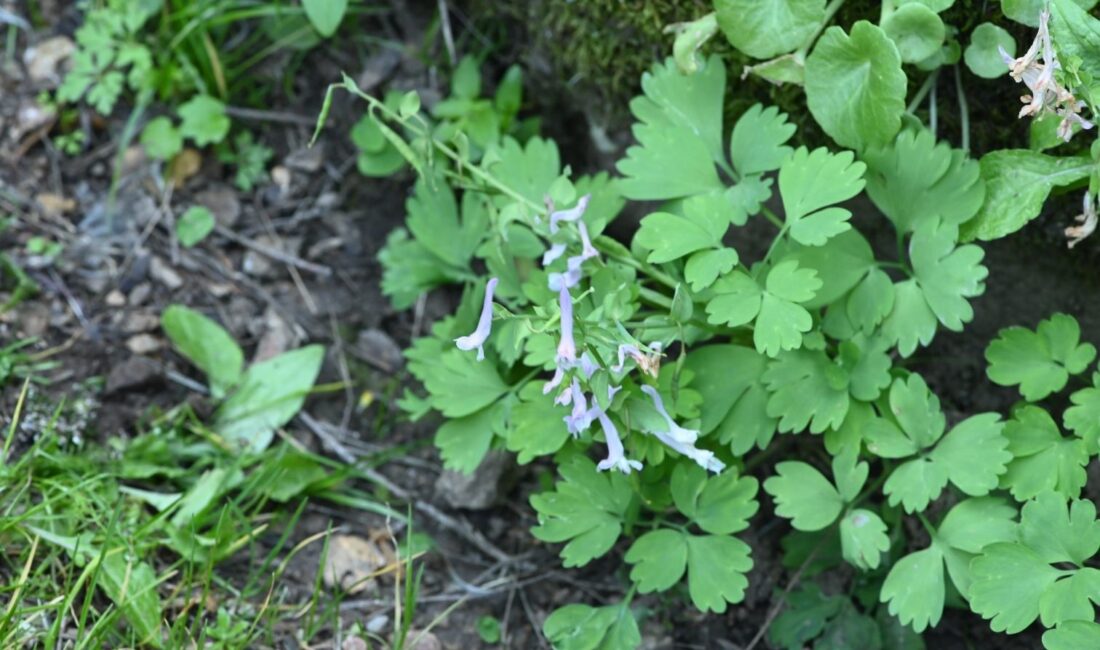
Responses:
[616,459]
[476,339]
[675,431]
[576,212]
[1087,219]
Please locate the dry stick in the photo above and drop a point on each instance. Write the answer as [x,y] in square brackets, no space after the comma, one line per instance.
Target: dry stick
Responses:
[274,253]
[782,599]
[461,527]
[270,116]
[448,38]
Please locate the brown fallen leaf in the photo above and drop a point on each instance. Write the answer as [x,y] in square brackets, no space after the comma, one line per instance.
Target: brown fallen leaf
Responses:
[54,205]
[351,563]
[185,165]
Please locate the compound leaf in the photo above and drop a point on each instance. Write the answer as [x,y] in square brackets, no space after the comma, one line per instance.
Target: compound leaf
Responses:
[947,274]
[808,391]
[758,143]
[803,495]
[1039,362]
[1042,458]
[717,565]
[914,589]
[659,558]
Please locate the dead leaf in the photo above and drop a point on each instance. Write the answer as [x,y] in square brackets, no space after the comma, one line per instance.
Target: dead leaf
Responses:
[54,205]
[351,563]
[185,165]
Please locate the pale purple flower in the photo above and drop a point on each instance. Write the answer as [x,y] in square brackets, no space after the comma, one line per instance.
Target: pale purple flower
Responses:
[554,252]
[574,213]
[567,349]
[484,324]
[616,458]
[703,457]
[588,251]
[675,431]
[555,381]
[587,365]
[564,281]
[581,418]
[648,363]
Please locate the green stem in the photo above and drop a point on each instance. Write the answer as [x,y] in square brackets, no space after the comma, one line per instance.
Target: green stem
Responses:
[772,217]
[964,111]
[648,269]
[775,242]
[869,490]
[922,92]
[830,11]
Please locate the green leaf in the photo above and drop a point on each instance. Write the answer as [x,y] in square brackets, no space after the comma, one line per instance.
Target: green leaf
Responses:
[203,120]
[704,267]
[581,627]
[973,524]
[537,426]
[863,539]
[912,322]
[464,441]
[974,454]
[1073,635]
[325,15]
[916,30]
[917,410]
[1083,418]
[809,181]
[915,180]
[803,619]
[679,133]
[983,57]
[719,505]
[1060,532]
[1017,183]
[1043,459]
[804,496]
[914,589]
[764,28]
[737,300]
[722,374]
[433,220]
[669,236]
[269,394]
[408,269]
[132,585]
[460,385]
[805,392]
[1076,34]
[840,264]
[915,484]
[1039,362]
[1007,578]
[161,139]
[659,558]
[758,143]
[947,274]
[205,344]
[781,321]
[871,301]
[528,169]
[717,565]
[586,508]
[194,225]
[855,87]
[850,629]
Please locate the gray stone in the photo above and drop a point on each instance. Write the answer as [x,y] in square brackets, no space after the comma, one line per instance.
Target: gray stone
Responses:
[479,490]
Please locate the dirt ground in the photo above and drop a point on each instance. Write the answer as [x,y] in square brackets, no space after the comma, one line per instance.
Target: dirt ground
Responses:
[293,262]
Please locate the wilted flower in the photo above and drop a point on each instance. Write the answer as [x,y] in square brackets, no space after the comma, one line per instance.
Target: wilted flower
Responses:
[1047,94]
[616,459]
[649,363]
[484,324]
[1087,220]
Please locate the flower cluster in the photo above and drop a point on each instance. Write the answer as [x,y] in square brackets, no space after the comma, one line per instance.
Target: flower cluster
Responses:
[579,366]
[1036,70]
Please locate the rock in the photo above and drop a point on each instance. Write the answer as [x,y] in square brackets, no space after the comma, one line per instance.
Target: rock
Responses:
[222,203]
[281,177]
[417,640]
[476,491]
[140,294]
[137,322]
[257,264]
[378,623]
[164,274]
[354,643]
[350,563]
[30,116]
[134,372]
[306,159]
[143,344]
[34,319]
[115,298]
[377,346]
[44,60]
[277,337]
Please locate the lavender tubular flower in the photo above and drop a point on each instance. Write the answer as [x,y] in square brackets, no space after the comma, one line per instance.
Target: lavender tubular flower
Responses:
[553,253]
[567,349]
[616,458]
[675,431]
[477,338]
[569,215]
[702,457]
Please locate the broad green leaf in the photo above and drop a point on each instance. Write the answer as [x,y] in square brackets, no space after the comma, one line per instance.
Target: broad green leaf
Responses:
[679,133]
[747,197]
[803,495]
[1017,183]
[914,589]
[948,275]
[863,539]
[973,524]
[1076,34]
[325,15]
[205,344]
[983,55]
[806,392]
[132,585]
[1007,577]
[717,565]
[868,365]
[915,180]
[1083,418]
[659,558]
[466,79]
[269,394]
[586,508]
[789,282]
[850,629]
[529,168]
[916,30]
[764,28]
[849,474]
[671,236]
[1073,635]
[203,120]
[1039,362]
[161,139]
[912,322]
[704,267]
[460,385]
[809,181]
[1043,459]
[722,374]
[1060,532]
[537,428]
[433,218]
[377,156]
[855,87]
[917,410]
[464,441]
[758,143]
[194,225]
